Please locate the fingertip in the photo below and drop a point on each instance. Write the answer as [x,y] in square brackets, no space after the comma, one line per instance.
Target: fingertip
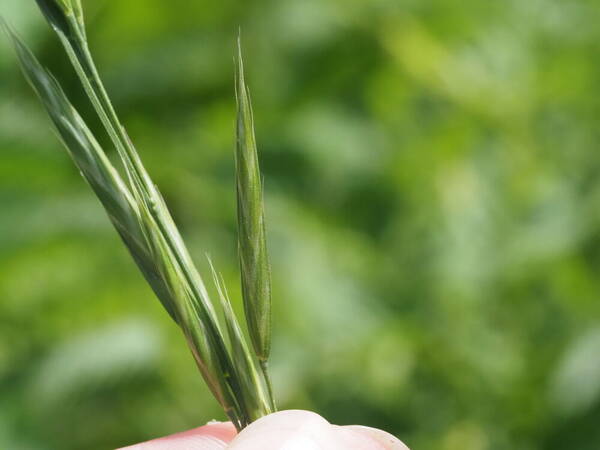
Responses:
[286,420]
[380,439]
[292,429]
[290,417]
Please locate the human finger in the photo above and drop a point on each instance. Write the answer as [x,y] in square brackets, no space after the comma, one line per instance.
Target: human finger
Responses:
[213,436]
[305,430]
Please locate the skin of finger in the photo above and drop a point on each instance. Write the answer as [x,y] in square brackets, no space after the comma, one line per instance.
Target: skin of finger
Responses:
[385,440]
[287,430]
[304,430]
[213,436]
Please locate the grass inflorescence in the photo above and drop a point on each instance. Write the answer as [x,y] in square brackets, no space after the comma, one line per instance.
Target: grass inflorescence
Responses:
[235,372]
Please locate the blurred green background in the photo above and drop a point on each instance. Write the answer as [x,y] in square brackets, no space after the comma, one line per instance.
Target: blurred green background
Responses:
[433,206]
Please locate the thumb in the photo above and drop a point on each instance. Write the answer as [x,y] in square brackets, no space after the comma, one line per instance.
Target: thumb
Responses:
[304,430]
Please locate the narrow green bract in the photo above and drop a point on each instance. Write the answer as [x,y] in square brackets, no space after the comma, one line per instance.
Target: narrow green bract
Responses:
[237,378]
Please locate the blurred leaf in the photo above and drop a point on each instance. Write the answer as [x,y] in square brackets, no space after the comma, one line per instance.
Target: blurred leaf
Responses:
[575,383]
[95,359]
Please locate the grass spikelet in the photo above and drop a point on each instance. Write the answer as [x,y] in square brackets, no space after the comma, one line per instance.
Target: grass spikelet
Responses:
[252,245]
[237,378]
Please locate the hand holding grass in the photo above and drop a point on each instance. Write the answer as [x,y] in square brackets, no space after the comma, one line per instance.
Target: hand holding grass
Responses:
[290,430]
